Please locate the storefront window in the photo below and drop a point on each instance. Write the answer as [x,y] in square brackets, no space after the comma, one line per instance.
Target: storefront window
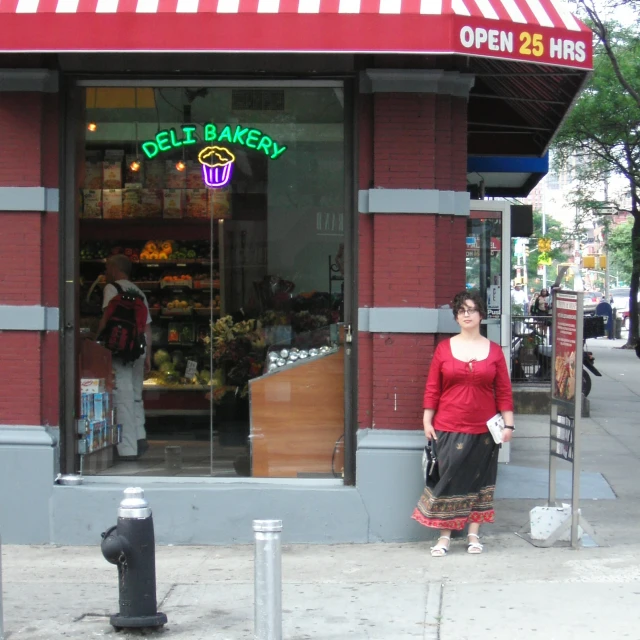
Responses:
[229,205]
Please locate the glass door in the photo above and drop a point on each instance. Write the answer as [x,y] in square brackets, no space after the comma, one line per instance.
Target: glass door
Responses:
[488,265]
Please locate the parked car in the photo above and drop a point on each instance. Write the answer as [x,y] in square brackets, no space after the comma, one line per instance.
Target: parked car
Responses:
[591,300]
[625,319]
[620,299]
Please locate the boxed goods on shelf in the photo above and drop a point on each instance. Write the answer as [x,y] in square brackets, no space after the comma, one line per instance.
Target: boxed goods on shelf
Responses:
[97,425]
[91,203]
[172,203]
[112,204]
[132,202]
[92,174]
[197,201]
[174,178]
[151,203]
[112,169]
[154,175]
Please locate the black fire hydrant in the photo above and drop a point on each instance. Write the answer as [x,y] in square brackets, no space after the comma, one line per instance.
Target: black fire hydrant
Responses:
[131,546]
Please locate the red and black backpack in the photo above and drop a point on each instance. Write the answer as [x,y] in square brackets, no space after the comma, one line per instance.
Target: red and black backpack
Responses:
[126,316]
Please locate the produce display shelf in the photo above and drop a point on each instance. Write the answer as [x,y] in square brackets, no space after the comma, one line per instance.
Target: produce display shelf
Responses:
[161,413]
[176,286]
[155,220]
[182,262]
[175,387]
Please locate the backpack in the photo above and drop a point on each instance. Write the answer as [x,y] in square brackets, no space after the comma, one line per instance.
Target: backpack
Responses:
[126,316]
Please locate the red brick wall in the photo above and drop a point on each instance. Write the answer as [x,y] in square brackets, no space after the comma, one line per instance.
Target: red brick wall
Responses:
[21,120]
[399,375]
[29,158]
[404,267]
[20,381]
[21,274]
[419,142]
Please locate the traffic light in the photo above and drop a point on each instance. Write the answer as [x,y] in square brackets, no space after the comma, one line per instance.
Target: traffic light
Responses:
[603,262]
[589,262]
[544,245]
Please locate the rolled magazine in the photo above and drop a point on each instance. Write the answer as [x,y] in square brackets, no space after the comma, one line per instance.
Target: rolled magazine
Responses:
[496,427]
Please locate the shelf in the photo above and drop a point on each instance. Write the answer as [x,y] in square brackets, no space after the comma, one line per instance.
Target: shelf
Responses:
[144,221]
[176,387]
[183,262]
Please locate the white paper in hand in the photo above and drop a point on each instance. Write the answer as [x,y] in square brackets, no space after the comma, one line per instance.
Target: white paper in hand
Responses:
[496,427]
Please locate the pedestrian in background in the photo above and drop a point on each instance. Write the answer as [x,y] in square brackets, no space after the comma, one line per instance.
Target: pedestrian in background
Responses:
[468,384]
[542,304]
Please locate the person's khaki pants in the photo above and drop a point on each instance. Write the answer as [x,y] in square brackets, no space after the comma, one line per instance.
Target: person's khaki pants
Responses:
[127,401]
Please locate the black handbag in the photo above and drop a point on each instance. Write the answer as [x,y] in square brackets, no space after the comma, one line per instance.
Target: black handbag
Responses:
[430,464]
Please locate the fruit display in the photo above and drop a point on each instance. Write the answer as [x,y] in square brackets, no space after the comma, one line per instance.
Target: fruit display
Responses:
[94,251]
[150,251]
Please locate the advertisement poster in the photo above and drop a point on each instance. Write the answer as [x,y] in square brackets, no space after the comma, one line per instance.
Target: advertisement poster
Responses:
[566,347]
[494,298]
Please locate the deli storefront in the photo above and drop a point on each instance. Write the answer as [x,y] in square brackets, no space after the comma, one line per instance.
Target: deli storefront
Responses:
[295,183]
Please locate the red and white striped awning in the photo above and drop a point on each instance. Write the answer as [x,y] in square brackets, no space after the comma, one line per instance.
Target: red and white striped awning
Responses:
[542,31]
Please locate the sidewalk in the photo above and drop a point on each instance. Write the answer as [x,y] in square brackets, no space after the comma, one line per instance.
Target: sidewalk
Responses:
[394,591]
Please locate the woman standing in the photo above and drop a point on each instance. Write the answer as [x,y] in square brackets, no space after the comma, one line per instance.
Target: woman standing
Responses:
[468,384]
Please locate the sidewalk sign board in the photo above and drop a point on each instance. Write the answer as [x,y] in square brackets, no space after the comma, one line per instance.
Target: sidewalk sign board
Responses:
[566,411]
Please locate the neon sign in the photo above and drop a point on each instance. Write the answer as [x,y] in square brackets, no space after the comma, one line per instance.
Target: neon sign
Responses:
[171,139]
[217,166]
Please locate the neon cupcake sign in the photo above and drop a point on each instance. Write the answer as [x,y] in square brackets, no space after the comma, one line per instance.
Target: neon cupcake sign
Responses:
[217,166]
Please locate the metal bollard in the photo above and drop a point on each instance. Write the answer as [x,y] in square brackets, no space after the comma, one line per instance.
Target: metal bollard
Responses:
[268,580]
[1,612]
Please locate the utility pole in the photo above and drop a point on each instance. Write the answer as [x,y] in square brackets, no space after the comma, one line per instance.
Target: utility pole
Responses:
[544,233]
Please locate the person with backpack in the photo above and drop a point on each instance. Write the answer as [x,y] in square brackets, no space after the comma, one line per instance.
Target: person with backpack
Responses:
[125,329]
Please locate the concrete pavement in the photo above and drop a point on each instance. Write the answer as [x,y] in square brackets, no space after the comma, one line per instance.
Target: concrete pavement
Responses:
[392,591]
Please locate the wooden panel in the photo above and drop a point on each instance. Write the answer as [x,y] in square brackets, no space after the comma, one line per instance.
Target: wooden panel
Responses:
[297,416]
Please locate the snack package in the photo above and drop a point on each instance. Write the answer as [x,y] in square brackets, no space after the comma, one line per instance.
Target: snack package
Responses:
[174,179]
[91,203]
[197,200]
[220,203]
[154,174]
[112,175]
[194,175]
[92,174]
[132,202]
[151,203]
[172,203]
[92,385]
[112,204]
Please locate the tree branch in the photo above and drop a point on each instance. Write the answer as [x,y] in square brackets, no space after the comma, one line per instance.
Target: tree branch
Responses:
[600,29]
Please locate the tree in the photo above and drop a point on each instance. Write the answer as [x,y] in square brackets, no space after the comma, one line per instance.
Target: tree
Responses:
[620,254]
[553,231]
[602,133]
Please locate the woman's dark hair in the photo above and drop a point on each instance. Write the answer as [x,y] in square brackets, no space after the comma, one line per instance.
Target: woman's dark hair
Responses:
[473,296]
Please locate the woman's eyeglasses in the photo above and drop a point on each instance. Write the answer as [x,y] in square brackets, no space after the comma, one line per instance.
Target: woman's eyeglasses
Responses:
[466,311]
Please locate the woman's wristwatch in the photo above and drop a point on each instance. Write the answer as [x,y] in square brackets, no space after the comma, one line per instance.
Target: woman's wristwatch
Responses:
[511,427]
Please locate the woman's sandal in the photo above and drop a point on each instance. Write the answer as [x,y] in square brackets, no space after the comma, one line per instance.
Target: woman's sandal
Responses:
[440,550]
[474,547]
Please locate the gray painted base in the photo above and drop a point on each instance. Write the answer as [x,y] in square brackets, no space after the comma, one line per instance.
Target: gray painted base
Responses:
[28,466]
[34,510]
[192,513]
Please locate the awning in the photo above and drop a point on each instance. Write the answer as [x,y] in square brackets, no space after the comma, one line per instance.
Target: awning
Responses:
[537,31]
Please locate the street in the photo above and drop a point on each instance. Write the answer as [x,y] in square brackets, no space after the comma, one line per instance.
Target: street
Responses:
[390,591]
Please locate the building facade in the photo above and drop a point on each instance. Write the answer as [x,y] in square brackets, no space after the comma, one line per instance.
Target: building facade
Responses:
[296,199]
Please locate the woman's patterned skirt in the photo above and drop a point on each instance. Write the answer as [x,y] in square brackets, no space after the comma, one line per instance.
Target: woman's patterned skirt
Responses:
[468,465]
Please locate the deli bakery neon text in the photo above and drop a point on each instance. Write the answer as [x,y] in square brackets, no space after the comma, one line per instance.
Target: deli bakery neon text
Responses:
[217,162]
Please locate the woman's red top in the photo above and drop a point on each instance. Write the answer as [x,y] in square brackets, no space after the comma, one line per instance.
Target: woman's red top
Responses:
[465,395]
